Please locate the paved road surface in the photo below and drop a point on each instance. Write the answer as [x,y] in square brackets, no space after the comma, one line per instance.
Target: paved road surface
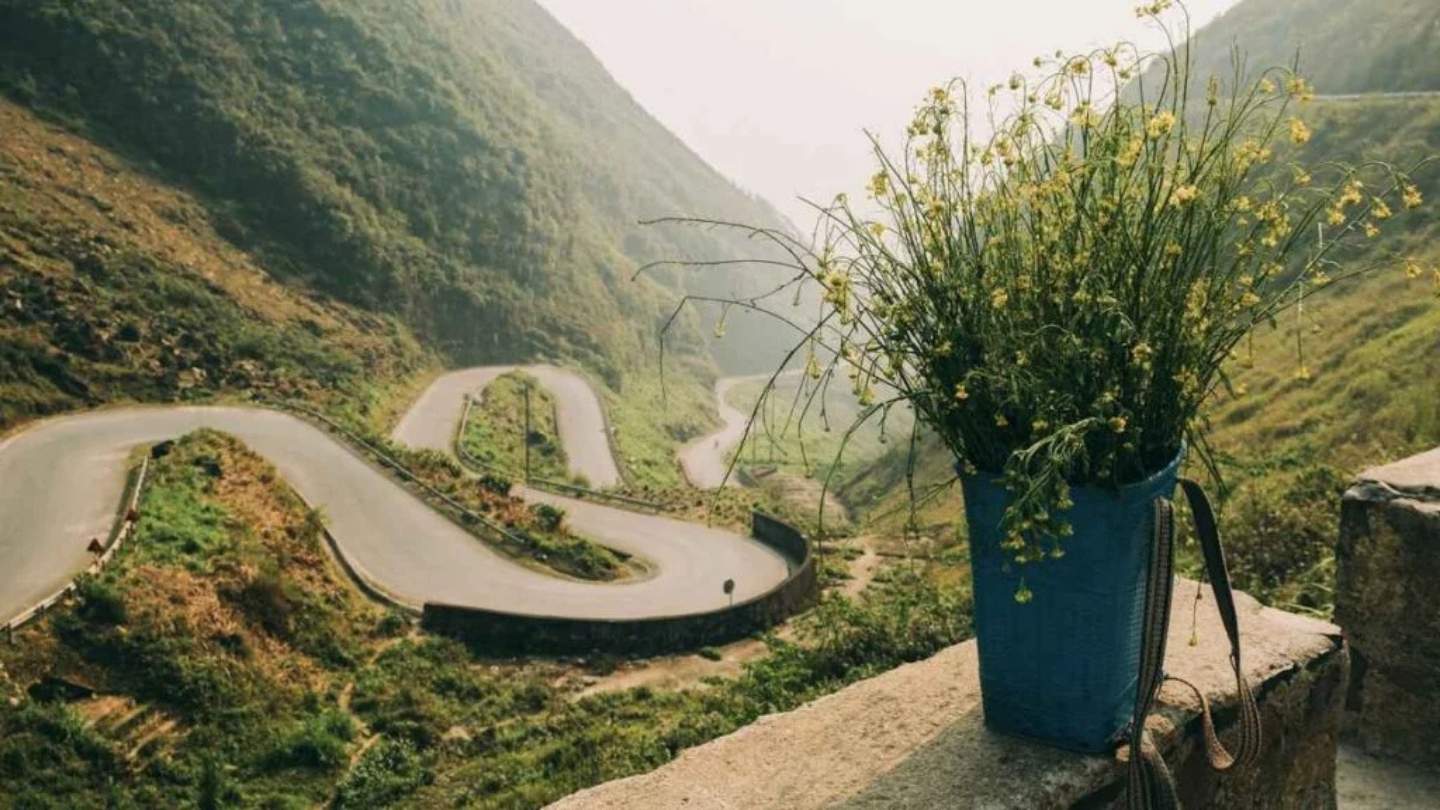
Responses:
[61,481]
[705,460]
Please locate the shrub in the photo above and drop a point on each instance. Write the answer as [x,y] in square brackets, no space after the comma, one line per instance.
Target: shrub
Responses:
[100,602]
[266,600]
[549,518]
[1281,533]
[390,770]
[496,484]
[318,742]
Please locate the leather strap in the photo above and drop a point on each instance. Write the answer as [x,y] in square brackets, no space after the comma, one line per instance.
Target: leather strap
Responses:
[1149,783]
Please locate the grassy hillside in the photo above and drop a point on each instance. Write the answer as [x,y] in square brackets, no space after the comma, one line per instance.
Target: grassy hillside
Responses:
[115,285]
[1345,46]
[467,168]
[235,667]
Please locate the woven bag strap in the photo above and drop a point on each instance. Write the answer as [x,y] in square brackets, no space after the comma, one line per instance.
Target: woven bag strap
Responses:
[1149,785]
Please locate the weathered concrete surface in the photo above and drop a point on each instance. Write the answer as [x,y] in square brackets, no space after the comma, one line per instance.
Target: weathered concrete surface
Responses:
[914,737]
[1364,782]
[1388,573]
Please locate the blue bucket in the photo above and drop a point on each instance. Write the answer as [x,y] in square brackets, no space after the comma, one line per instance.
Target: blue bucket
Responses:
[1062,668]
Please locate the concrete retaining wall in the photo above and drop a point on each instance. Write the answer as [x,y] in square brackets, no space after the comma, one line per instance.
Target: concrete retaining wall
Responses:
[507,633]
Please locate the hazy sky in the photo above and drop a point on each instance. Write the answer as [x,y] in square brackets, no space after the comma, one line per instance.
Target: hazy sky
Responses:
[776,93]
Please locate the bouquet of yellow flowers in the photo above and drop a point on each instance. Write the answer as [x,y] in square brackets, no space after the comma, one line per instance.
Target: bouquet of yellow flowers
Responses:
[1054,275]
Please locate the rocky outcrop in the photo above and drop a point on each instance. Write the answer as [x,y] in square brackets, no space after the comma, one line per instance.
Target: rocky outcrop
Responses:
[1388,572]
[915,737]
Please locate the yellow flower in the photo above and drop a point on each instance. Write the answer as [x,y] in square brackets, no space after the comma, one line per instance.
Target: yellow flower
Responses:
[960,393]
[1142,353]
[1118,423]
[1184,195]
[1371,230]
[1302,177]
[879,184]
[1412,269]
[1411,197]
[877,229]
[1353,193]
[1337,216]
[998,298]
[1039,425]
[1023,594]
[1160,125]
[1001,421]
[1299,133]
[1303,374]
[1380,210]
[1130,153]
[1299,88]
[1267,86]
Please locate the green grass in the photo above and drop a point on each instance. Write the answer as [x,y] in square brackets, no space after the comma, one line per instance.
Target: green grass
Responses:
[650,420]
[495,434]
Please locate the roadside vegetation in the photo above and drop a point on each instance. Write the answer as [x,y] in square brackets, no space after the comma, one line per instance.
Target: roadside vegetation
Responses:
[536,534]
[806,436]
[233,666]
[495,435]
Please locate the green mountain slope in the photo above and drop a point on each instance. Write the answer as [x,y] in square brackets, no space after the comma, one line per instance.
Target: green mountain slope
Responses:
[115,286]
[1344,46]
[469,168]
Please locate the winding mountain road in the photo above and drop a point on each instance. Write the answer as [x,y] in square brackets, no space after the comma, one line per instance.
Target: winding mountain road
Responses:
[704,460]
[61,480]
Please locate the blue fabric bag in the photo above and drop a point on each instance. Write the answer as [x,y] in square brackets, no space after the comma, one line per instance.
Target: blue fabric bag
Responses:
[1062,669]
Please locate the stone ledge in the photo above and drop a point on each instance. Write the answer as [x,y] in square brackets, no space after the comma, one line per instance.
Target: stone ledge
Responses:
[914,737]
[1387,566]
